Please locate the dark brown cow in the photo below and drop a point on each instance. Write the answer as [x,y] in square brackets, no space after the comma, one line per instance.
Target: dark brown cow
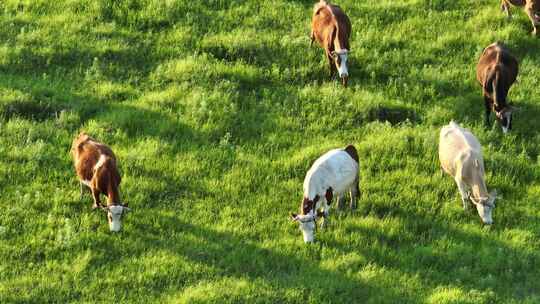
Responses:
[331,27]
[95,165]
[496,71]
[531,7]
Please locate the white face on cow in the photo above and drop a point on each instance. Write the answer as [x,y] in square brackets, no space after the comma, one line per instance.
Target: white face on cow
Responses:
[307,226]
[114,216]
[485,209]
[341,58]
[504,117]
[308,231]
[507,121]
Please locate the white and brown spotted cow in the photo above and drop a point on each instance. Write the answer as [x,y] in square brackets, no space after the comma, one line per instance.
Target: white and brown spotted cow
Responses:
[95,165]
[333,174]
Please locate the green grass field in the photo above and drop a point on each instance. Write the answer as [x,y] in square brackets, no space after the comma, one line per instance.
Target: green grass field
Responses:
[216,109]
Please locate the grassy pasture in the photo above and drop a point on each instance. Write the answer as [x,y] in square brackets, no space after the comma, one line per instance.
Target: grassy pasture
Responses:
[216,109]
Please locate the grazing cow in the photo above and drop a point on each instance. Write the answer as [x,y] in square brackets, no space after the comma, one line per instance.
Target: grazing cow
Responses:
[531,7]
[95,165]
[496,71]
[334,173]
[331,27]
[460,155]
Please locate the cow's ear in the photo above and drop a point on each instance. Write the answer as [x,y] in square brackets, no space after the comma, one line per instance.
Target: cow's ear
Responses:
[492,197]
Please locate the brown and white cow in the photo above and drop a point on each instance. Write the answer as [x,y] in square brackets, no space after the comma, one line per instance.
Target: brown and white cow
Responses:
[461,157]
[332,174]
[496,71]
[331,27]
[95,165]
[531,7]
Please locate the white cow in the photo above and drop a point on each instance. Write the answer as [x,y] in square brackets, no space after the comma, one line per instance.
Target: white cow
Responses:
[460,155]
[334,173]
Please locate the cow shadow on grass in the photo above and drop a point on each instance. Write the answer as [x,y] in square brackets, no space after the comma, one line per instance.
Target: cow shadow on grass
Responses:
[294,274]
[441,254]
[42,103]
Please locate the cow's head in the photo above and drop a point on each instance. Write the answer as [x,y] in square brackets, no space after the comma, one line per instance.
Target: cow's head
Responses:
[485,206]
[504,117]
[307,225]
[340,59]
[307,218]
[114,216]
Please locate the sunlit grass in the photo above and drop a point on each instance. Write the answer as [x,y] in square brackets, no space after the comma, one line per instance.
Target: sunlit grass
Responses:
[216,110]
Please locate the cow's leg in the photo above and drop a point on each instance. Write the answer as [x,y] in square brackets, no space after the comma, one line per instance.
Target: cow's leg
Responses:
[341,201]
[505,7]
[333,69]
[95,195]
[326,212]
[81,186]
[355,192]
[463,191]
[531,14]
[535,30]
[329,195]
[487,105]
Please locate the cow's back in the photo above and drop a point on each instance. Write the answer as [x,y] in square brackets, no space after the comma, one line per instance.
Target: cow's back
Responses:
[336,169]
[453,142]
[496,55]
[86,154]
[325,17]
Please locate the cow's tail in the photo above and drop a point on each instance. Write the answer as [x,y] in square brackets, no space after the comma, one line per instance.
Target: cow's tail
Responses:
[353,153]
[499,91]
[498,86]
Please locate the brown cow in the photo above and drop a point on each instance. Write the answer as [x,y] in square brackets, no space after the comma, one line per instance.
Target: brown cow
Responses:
[331,27]
[95,165]
[531,7]
[496,71]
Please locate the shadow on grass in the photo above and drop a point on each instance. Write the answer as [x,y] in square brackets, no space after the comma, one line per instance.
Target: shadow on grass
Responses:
[236,256]
[443,255]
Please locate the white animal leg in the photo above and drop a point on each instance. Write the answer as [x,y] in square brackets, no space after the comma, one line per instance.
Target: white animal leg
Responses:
[341,202]
[464,193]
[326,211]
